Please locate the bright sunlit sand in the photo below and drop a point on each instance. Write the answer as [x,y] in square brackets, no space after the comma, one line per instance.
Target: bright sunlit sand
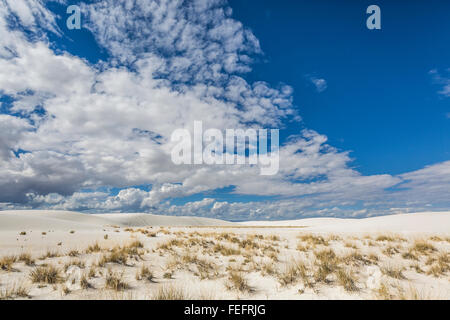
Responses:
[69,255]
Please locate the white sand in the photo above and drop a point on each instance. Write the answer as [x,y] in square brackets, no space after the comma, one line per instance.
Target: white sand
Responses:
[66,220]
[61,231]
[425,222]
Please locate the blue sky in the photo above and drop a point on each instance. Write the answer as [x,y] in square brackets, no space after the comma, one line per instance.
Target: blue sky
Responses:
[363,114]
[380,101]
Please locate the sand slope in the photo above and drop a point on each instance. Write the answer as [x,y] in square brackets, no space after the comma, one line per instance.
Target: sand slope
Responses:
[436,222]
[65,220]
[426,222]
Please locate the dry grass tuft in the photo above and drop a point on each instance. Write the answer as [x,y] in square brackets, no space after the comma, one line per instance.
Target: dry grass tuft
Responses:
[347,280]
[114,281]
[17,290]
[170,292]
[313,239]
[84,282]
[145,274]
[73,253]
[225,250]
[423,247]
[6,263]
[49,254]
[94,248]
[440,266]
[237,281]
[393,272]
[46,274]
[27,259]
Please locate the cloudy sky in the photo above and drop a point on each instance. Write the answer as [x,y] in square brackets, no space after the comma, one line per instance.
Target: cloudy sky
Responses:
[86,115]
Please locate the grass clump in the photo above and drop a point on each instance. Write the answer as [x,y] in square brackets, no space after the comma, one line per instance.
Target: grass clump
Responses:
[170,292]
[145,274]
[6,263]
[393,272]
[46,274]
[93,248]
[15,291]
[347,280]
[313,239]
[423,247]
[238,282]
[115,281]
[27,259]
[225,250]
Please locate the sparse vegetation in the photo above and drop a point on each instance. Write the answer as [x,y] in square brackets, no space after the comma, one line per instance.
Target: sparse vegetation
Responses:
[114,281]
[6,263]
[347,280]
[238,282]
[46,274]
[170,292]
[393,272]
[145,274]
[27,259]
[17,290]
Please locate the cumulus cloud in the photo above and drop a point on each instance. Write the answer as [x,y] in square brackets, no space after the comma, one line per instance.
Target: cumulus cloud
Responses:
[73,130]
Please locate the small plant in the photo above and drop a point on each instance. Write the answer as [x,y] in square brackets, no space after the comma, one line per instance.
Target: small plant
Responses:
[346,280]
[410,255]
[115,281]
[73,253]
[238,281]
[78,263]
[49,254]
[15,291]
[386,238]
[65,290]
[226,251]
[393,272]
[6,263]
[84,283]
[27,259]
[136,244]
[383,292]
[118,256]
[288,275]
[313,240]
[390,251]
[423,247]
[46,274]
[72,231]
[144,274]
[92,272]
[94,248]
[170,292]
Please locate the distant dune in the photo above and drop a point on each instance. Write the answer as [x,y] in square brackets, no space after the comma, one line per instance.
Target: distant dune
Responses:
[436,222]
[65,220]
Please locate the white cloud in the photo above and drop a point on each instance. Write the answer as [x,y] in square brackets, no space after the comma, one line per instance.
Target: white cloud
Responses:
[443,80]
[320,83]
[108,125]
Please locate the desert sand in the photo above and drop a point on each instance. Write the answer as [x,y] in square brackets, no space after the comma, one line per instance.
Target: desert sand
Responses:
[70,255]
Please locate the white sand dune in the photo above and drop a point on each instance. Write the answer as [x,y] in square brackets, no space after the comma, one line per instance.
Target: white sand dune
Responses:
[426,222]
[141,219]
[39,233]
[65,220]
[435,222]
